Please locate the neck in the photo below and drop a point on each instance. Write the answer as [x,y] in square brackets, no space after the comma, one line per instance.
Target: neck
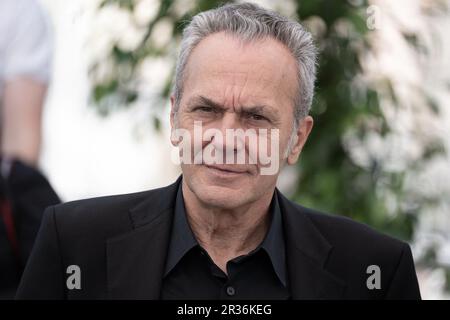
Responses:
[227,233]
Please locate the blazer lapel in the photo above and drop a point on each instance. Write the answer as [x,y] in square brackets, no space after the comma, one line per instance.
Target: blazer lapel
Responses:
[306,254]
[136,260]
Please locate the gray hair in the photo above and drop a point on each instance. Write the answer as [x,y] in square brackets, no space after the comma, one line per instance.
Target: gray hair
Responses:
[251,22]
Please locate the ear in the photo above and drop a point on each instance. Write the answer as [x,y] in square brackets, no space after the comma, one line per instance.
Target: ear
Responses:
[303,131]
[172,106]
[173,138]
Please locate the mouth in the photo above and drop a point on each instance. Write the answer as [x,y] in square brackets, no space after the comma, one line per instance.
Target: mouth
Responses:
[227,170]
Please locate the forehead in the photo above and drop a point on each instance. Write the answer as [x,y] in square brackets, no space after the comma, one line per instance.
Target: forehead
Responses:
[224,67]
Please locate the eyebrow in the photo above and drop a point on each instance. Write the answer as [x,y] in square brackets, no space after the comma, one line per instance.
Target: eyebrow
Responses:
[204,101]
[201,100]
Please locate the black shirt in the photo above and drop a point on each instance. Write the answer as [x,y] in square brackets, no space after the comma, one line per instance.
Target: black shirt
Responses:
[190,273]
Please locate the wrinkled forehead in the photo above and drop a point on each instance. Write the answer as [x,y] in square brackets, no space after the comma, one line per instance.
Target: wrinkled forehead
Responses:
[225,67]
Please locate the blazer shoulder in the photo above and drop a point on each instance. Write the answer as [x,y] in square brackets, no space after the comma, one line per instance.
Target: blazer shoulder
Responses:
[356,247]
[105,216]
[341,231]
[100,208]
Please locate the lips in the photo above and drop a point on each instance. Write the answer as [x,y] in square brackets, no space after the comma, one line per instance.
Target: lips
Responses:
[233,169]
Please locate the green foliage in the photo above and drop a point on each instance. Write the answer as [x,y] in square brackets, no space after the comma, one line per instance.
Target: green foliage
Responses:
[329,179]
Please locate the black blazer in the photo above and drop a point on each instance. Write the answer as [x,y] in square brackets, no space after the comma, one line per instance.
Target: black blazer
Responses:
[120,244]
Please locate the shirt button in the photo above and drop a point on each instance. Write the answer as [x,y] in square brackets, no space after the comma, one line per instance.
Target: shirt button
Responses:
[231,291]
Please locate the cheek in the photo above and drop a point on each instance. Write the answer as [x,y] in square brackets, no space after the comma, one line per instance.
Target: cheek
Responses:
[287,134]
[186,121]
[274,143]
[192,173]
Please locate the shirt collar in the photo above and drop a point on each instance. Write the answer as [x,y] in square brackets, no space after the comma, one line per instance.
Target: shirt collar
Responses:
[182,238]
[273,243]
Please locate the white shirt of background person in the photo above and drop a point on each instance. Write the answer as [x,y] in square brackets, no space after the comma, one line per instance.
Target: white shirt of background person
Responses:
[25,68]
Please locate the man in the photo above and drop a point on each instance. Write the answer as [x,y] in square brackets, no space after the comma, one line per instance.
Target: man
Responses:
[223,230]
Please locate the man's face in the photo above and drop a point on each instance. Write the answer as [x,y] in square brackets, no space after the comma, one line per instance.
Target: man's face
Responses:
[232,85]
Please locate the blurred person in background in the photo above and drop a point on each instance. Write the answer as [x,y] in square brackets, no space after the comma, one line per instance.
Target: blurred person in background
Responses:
[25,66]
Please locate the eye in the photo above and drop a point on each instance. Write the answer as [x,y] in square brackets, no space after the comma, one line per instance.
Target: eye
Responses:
[204,109]
[257,117]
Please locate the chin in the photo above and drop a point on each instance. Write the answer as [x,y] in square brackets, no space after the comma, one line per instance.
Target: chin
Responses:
[221,197]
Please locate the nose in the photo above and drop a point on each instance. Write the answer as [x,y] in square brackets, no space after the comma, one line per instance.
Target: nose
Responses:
[229,144]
